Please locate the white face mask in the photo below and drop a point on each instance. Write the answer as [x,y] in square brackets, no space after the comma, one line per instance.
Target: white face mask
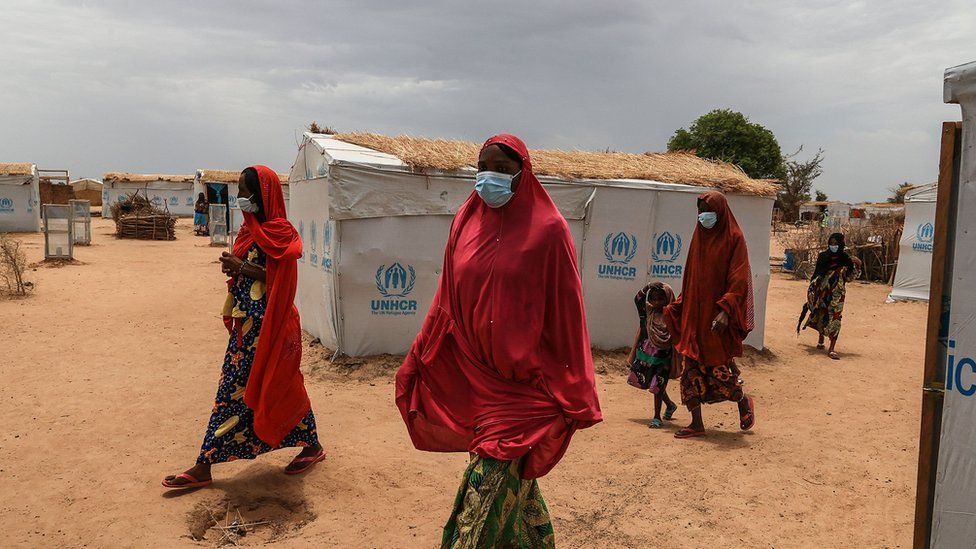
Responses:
[246,205]
[834,248]
[708,219]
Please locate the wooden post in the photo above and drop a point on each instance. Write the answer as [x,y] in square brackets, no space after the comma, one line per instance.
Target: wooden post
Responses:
[933,379]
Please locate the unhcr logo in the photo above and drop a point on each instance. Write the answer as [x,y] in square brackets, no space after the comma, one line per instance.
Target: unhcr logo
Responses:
[174,201]
[327,246]
[667,249]
[925,235]
[6,205]
[954,373]
[619,249]
[395,283]
[311,237]
[157,201]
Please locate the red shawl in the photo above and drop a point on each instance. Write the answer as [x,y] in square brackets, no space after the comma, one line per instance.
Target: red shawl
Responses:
[502,366]
[716,276]
[275,389]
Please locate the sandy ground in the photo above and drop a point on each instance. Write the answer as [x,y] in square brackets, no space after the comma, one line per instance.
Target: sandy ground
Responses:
[108,372]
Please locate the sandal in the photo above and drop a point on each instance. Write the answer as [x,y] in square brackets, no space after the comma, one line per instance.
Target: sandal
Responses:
[748,420]
[191,482]
[821,346]
[310,461]
[669,412]
[833,355]
[656,423]
[687,432]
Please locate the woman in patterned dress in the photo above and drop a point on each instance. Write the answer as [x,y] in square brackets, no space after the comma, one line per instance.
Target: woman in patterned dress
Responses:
[713,315]
[501,368]
[261,403]
[827,291]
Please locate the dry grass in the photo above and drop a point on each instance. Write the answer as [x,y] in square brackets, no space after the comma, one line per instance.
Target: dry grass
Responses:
[16,168]
[13,266]
[677,167]
[229,176]
[123,177]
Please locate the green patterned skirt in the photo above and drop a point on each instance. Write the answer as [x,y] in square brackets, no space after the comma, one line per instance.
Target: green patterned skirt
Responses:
[496,508]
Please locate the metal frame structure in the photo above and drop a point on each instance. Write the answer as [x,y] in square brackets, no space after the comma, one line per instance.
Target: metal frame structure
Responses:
[58,221]
[81,221]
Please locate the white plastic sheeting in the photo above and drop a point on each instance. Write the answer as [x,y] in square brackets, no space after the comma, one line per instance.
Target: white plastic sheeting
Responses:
[913,275]
[374,235]
[19,203]
[954,513]
[178,197]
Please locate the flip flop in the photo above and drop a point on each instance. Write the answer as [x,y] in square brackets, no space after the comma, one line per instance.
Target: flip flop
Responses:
[833,355]
[821,346]
[656,423]
[749,417]
[310,461]
[192,482]
[669,412]
[685,432]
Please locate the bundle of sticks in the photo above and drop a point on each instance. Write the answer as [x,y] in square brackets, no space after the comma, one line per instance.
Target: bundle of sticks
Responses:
[136,217]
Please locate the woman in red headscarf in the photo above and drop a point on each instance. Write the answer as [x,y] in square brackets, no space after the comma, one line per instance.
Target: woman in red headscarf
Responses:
[713,314]
[502,366]
[261,401]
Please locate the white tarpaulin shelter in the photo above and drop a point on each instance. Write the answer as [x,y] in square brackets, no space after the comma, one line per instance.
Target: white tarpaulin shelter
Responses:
[914,270]
[174,192]
[19,198]
[954,510]
[374,232]
[220,187]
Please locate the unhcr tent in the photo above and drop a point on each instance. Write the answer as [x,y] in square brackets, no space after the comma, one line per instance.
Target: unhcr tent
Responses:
[174,192]
[374,214]
[19,198]
[88,189]
[914,268]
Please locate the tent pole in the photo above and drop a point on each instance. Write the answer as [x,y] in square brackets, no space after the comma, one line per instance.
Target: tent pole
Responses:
[933,379]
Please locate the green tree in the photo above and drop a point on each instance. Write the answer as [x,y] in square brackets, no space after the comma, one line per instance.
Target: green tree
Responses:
[898,193]
[821,196]
[728,135]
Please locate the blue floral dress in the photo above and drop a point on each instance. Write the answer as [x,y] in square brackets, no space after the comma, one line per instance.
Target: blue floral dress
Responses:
[230,432]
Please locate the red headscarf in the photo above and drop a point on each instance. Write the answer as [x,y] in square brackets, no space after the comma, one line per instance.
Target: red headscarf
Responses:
[502,366]
[716,277]
[275,389]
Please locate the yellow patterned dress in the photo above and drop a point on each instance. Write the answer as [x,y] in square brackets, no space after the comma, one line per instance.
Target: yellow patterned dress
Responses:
[230,432]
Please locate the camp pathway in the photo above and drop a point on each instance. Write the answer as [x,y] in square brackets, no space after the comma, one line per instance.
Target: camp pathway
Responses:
[107,378]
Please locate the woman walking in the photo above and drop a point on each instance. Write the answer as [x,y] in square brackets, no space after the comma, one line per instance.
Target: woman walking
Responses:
[261,401]
[200,215]
[713,315]
[827,292]
[502,367]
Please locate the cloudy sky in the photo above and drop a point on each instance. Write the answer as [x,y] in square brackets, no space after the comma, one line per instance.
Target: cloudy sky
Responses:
[167,86]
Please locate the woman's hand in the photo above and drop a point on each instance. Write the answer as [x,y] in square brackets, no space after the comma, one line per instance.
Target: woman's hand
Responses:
[230,264]
[721,322]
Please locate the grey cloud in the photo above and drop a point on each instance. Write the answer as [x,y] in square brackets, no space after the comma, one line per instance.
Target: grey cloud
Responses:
[174,86]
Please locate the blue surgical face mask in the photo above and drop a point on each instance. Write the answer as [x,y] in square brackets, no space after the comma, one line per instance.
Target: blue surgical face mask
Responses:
[246,205]
[834,248]
[494,188]
[708,219]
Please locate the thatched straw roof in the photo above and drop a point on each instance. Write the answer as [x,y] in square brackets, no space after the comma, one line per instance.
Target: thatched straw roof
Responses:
[123,177]
[16,168]
[676,167]
[228,176]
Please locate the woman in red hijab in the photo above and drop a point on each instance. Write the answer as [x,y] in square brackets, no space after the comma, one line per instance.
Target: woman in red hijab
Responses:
[502,366]
[261,402]
[713,314]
